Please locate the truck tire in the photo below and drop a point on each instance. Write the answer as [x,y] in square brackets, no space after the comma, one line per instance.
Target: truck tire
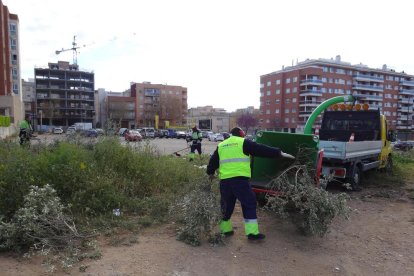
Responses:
[355,179]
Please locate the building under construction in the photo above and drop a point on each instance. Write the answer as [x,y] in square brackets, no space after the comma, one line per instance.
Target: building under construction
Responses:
[64,95]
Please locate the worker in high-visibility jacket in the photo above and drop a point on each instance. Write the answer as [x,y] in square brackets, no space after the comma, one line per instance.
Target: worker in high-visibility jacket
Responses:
[25,130]
[196,138]
[232,158]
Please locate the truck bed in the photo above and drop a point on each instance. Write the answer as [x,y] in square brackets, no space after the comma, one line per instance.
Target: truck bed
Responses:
[350,150]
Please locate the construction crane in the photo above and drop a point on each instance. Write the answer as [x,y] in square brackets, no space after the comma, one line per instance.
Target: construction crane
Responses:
[74,49]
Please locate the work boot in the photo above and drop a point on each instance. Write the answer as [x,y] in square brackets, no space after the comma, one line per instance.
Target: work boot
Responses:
[256,237]
[228,234]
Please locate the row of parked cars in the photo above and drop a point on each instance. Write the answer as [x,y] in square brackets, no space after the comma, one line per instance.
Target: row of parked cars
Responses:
[93,132]
[403,145]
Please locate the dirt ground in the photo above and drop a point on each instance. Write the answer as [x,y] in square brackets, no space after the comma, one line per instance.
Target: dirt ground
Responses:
[378,239]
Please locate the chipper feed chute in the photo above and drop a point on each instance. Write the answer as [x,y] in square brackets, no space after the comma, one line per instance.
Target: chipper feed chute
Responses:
[303,146]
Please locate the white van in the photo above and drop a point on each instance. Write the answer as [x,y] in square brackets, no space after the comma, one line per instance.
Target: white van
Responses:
[148,132]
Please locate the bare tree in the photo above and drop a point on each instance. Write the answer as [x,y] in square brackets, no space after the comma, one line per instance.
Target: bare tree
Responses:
[170,109]
[246,121]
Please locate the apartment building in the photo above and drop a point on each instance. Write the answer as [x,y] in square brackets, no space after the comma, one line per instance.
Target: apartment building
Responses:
[209,118]
[288,96]
[64,94]
[121,110]
[29,97]
[10,83]
[159,105]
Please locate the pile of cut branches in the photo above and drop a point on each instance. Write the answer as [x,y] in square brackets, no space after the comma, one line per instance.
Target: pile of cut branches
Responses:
[311,209]
[198,214]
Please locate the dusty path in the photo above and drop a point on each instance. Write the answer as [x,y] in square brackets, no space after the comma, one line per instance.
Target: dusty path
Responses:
[378,239]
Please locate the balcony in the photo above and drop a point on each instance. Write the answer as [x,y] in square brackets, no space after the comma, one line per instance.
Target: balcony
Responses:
[309,103]
[368,97]
[407,83]
[403,117]
[311,92]
[368,87]
[367,78]
[406,100]
[311,82]
[374,107]
[405,109]
[407,92]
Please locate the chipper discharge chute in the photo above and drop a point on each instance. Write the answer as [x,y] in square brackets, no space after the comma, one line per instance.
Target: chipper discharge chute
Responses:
[303,146]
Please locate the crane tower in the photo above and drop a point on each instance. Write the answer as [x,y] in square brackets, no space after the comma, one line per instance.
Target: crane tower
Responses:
[74,48]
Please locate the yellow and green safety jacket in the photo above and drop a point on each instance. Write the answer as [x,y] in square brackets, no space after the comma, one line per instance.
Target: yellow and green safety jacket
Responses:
[233,162]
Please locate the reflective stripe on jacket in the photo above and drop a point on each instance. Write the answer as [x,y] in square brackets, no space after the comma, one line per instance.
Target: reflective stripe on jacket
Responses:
[233,162]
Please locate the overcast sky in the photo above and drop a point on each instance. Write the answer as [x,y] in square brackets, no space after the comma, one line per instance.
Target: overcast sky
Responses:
[218,49]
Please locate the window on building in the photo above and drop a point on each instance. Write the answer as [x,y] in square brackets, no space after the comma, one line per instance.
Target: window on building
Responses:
[267,102]
[294,100]
[15,88]
[330,90]
[267,121]
[261,85]
[295,89]
[268,93]
[286,120]
[293,120]
[395,96]
[287,110]
[261,94]
[287,101]
[325,69]
[295,79]
[267,111]
[323,90]
[269,83]
[277,111]
[331,69]
[288,80]
[13,44]
[277,101]
[396,87]
[277,91]
[287,90]
[340,71]
[293,110]
[277,81]
[323,79]
[330,80]
[397,79]
[13,29]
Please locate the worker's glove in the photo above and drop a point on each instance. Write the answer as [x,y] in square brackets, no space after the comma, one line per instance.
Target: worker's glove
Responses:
[287,155]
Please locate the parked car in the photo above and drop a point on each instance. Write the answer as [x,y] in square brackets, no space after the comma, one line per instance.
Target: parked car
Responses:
[403,145]
[180,134]
[218,137]
[100,131]
[122,130]
[57,130]
[133,135]
[163,133]
[211,136]
[90,133]
[148,132]
[71,130]
[225,135]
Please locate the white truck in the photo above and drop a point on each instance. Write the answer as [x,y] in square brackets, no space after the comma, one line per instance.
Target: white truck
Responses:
[82,126]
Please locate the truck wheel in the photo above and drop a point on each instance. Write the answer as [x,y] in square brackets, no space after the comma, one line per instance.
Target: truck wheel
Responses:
[356,179]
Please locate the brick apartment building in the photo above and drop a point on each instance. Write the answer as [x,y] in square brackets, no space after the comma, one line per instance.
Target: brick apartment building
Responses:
[288,96]
[169,102]
[10,84]
[64,95]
